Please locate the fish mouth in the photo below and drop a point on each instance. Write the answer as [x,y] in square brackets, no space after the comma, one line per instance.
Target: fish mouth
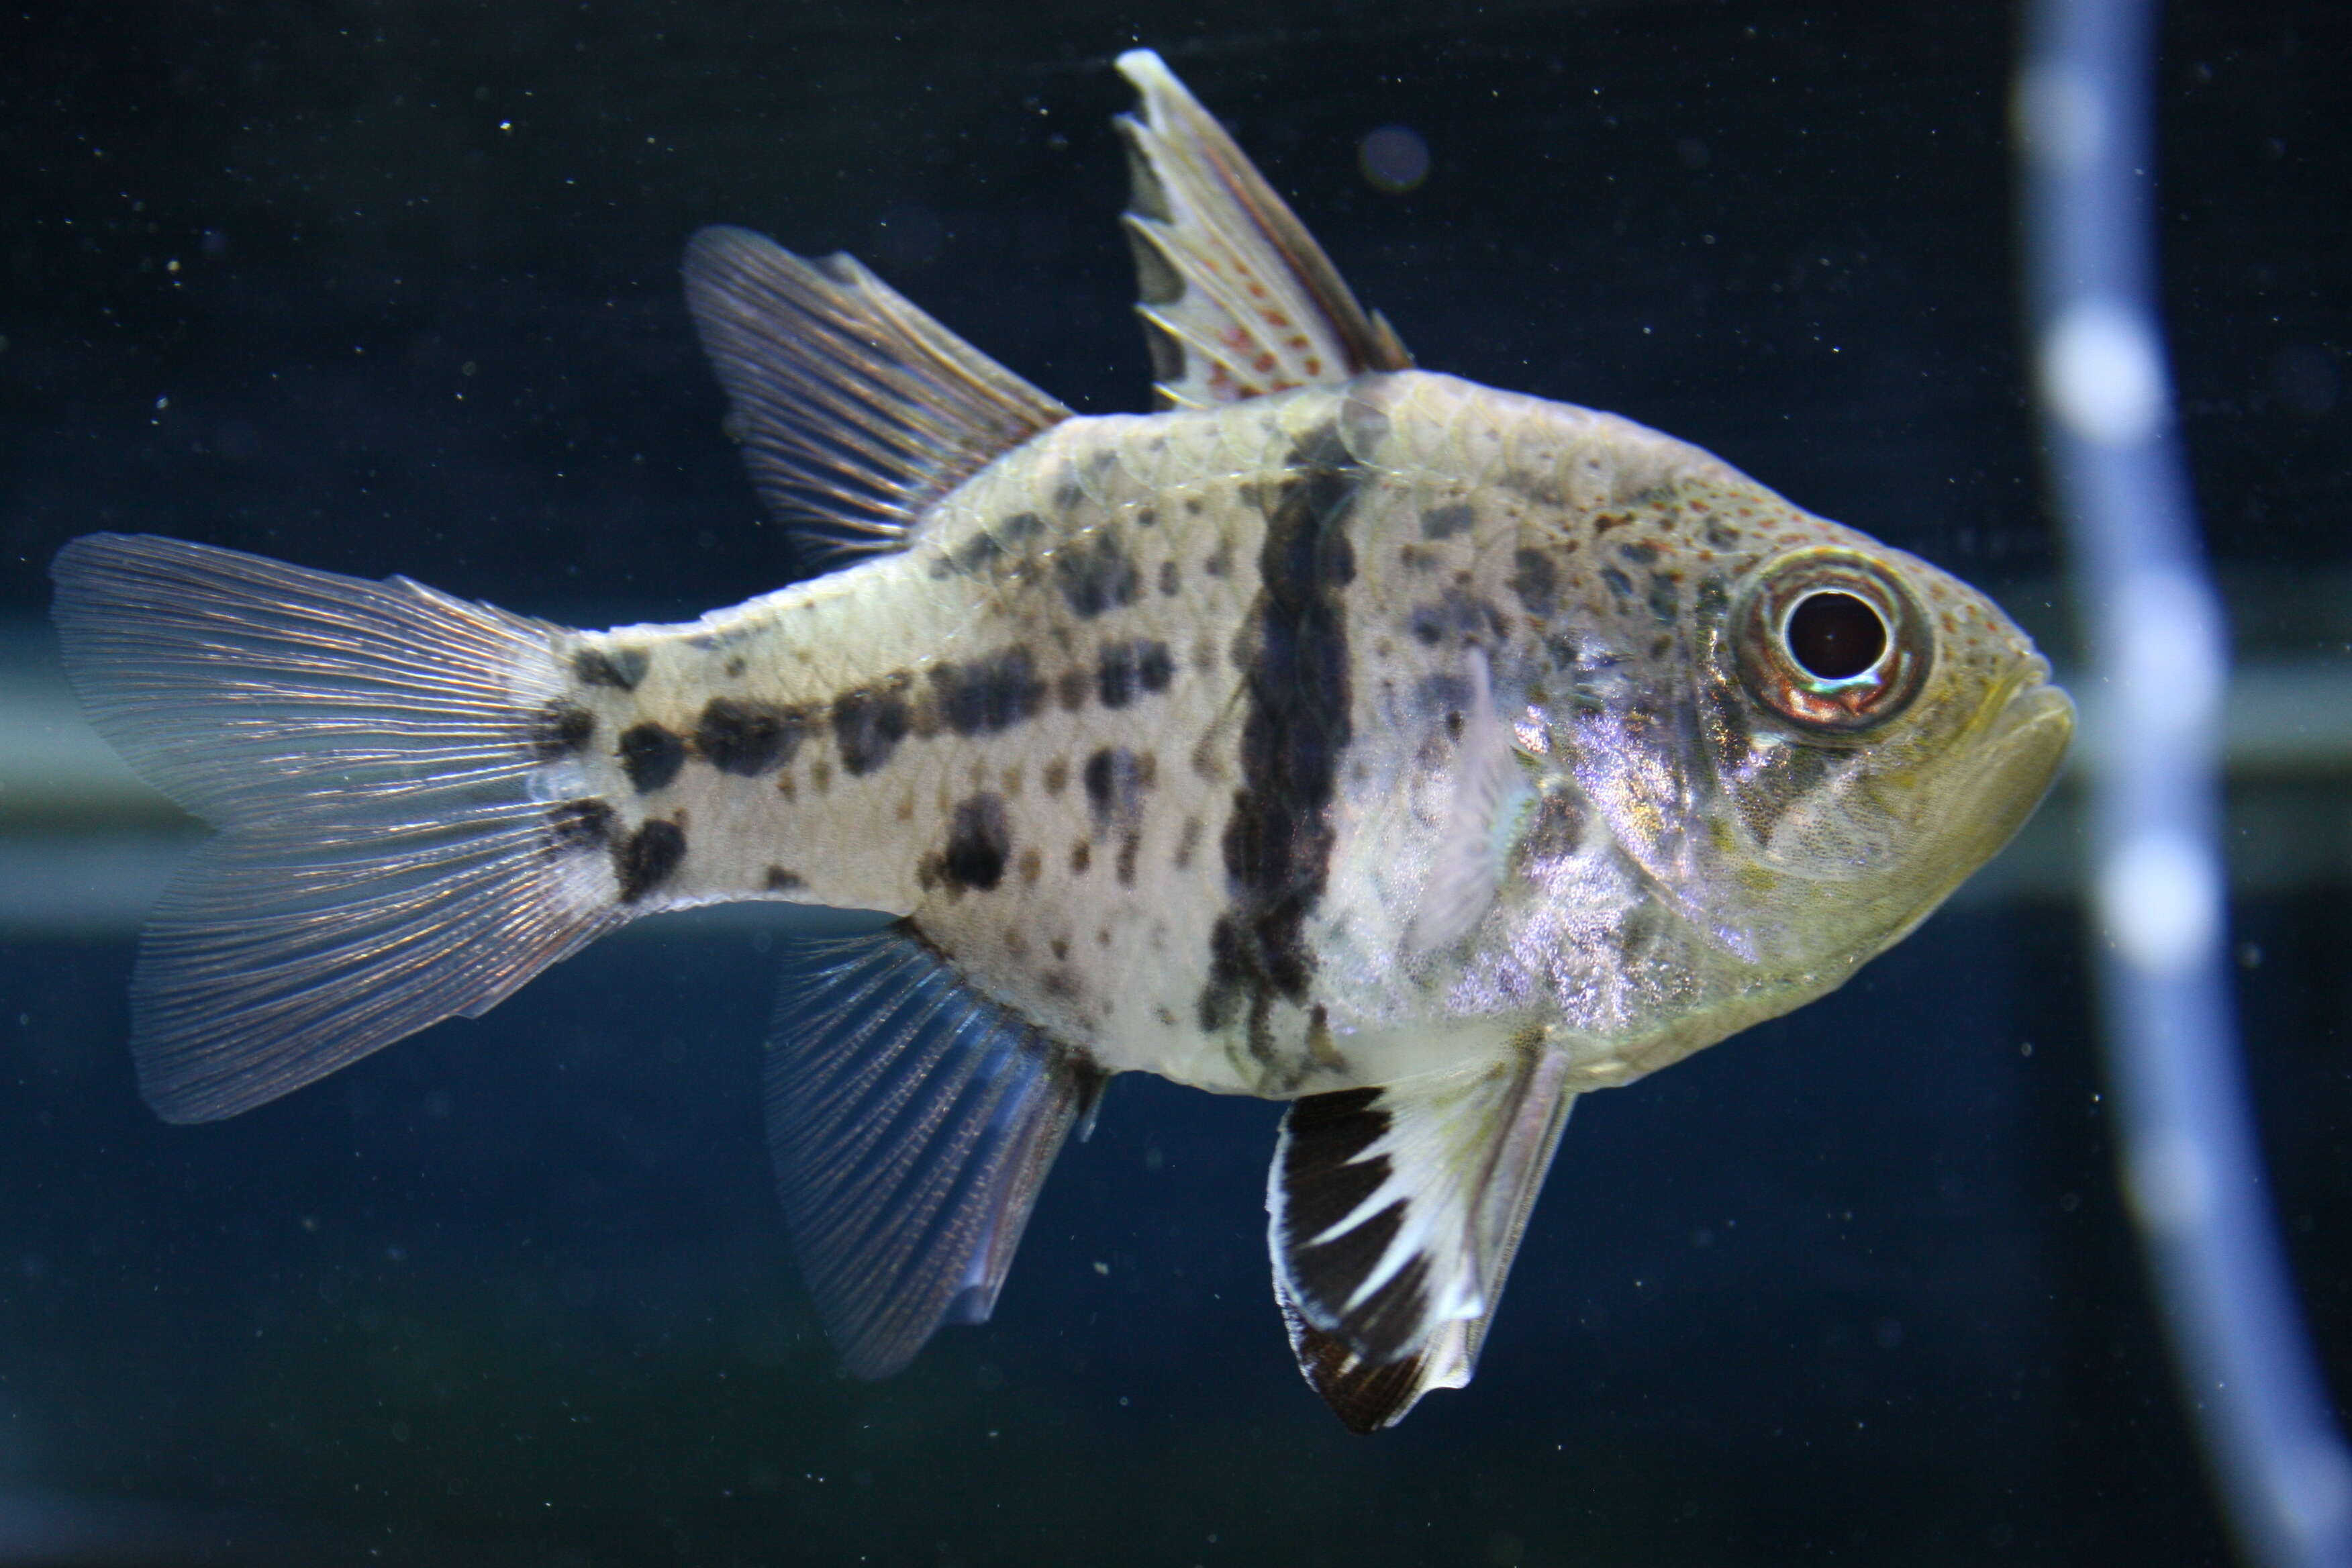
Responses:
[2026,725]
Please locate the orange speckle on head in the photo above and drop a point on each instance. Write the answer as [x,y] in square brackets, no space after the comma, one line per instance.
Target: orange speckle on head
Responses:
[1263,364]
[1234,338]
[1276,320]
[1256,289]
[1298,340]
[1313,365]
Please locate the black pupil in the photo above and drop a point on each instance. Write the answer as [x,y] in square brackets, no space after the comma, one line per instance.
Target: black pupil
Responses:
[1835,635]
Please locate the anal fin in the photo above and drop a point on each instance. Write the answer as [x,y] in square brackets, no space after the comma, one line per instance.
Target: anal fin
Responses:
[912,1122]
[1394,1214]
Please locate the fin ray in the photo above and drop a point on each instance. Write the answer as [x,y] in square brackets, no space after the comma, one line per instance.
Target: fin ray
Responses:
[374,754]
[857,411]
[1237,298]
[1489,798]
[912,1122]
[1394,1216]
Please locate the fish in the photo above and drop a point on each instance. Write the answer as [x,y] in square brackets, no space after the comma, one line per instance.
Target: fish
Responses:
[1340,732]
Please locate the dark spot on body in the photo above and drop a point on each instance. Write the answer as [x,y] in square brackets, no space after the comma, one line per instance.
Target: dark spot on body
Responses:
[1127,668]
[1056,778]
[1666,595]
[1070,689]
[867,725]
[563,729]
[735,668]
[1145,517]
[1445,522]
[621,667]
[1060,947]
[985,695]
[748,738]
[1115,675]
[1540,488]
[1116,780]
[647,857]
[1096,576]
[1186,842]
[1278,840]
[1638,554]
[1535,578]
[1619,583]
[1031,865]
[977,553]
[1456,615]
[779,880]
[1124,866]
[580,824]
[1720,535]
[651,756]
[1167,578]
[978,840]
[1219,563]
[1082,856]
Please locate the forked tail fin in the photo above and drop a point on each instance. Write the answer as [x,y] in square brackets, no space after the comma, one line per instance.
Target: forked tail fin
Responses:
[388,766]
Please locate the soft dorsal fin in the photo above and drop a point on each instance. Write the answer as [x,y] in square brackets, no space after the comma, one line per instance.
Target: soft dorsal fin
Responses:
[855,410]
[1393,1215]
[912,1122]
[1237,298]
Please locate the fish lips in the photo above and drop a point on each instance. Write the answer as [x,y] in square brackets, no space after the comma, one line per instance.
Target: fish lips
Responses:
[2022,731]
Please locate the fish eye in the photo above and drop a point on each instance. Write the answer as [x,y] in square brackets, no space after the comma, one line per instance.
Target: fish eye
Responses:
[1833,640]
[1834,635]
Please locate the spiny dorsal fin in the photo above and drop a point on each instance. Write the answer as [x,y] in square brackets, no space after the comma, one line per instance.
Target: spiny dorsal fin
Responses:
[1393,1215]
[1237,298]
[857,411]
[912,1122]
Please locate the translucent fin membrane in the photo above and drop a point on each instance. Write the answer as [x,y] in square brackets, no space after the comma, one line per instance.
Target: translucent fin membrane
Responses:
[371,749]
[1236,298]
[855,410]
[1485,815]
[912,1122]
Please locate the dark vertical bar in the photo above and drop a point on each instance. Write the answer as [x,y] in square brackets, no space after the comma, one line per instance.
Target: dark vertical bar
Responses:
[2189,1160]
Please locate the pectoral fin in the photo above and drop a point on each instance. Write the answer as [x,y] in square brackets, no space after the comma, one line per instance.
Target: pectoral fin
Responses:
[1485,815]
[912,1122]
[1394,1214]
[1237,298]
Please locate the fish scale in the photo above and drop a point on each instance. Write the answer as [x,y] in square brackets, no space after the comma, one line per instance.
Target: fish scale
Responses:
[1345,733]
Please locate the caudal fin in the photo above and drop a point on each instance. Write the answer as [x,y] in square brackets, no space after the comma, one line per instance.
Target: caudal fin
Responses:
[388,768]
